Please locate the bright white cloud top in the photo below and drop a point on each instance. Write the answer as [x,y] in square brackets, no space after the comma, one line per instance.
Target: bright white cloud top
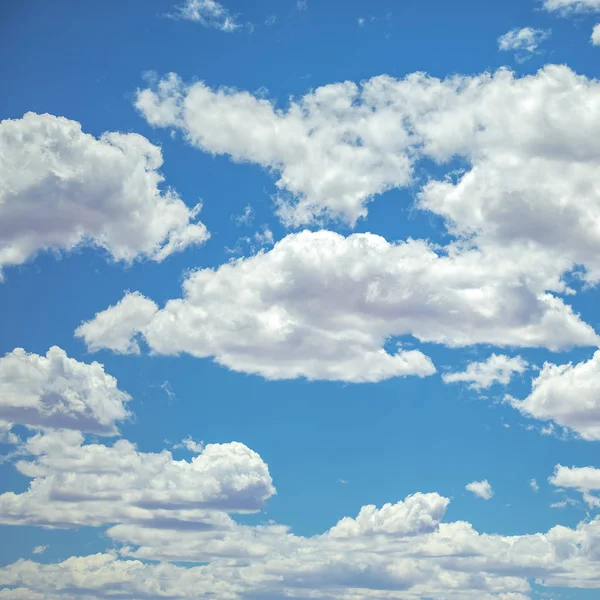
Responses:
[596,35]
[62,188]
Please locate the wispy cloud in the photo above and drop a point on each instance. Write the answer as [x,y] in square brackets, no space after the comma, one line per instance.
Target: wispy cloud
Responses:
[208,13]
[524,42]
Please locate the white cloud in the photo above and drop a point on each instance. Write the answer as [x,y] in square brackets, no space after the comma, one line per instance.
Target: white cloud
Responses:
[40,549]
[191,445]
[526,39]
[312,145]
[596,35]
[583,479]
[62,188]
[498,368]
[60,392]
[420,513]
[117,326]
[482,489]
[208,13]
[568,395]
[74,483]
[580,478]
[534,485]
[567,6]
[271,313]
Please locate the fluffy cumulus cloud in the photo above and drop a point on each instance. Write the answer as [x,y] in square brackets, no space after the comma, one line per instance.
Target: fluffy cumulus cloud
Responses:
[596,35]
[568,395]
[62,188]
[208,13]
[76,483]
[531,162]
[498,368]
[117,326]
[322,306]
[525,40]
[56,391]
[582,479]
[482,489]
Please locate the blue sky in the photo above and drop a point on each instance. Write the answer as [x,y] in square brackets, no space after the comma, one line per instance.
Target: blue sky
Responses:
[385,220]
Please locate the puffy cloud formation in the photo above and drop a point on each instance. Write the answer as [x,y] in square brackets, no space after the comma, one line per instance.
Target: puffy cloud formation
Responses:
[526,39]
[208,13]
[74,483]
[62,188]
[596,35]
[420,513]
[498,368]
[482,489]
[320,305]
[568,395]
[59,392]
[531,162]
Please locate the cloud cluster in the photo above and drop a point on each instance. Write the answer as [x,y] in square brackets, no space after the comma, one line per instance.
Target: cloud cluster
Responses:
[158,508]
[596,35]
[62,188]
[402,551]
[531,162]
